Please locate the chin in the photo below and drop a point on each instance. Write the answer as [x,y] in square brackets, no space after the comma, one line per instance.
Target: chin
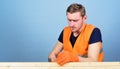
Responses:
[73,30]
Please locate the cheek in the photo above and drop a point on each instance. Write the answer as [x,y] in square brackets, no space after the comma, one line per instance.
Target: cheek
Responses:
[79,24]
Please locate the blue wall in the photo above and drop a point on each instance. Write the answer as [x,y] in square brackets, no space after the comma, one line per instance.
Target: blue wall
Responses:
[29,29]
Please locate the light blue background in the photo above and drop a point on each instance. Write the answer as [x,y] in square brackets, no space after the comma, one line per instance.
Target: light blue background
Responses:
[29,29]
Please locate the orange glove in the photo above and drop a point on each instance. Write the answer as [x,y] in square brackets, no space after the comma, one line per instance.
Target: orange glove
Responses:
[64,57]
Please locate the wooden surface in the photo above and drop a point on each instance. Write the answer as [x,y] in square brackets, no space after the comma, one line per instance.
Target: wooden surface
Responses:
[53,65]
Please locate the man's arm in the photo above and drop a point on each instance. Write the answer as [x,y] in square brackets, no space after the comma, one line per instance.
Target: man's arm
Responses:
[93,53]
[58,48]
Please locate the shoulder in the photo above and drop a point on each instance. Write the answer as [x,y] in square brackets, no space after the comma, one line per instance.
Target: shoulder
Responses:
[96,31]
[66,28]
[95,36]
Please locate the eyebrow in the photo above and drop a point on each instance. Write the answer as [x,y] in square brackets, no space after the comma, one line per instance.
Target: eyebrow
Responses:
[74,19]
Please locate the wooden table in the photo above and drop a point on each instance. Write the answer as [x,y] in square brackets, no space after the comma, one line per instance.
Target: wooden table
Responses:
[54,65]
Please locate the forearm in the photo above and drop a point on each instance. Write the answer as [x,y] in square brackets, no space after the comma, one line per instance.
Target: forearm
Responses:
[58,47]
[51,57]
[93,53]
[88,59]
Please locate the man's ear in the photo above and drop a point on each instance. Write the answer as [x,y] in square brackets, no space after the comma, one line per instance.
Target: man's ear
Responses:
[85,18]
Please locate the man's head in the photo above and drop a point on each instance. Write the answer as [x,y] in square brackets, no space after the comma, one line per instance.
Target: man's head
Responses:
[76,8]
[76,16]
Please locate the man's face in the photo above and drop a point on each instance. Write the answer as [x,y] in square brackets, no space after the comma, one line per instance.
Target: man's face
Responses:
[75,21]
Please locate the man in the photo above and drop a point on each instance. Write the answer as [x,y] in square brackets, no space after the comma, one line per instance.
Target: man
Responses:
[78,42]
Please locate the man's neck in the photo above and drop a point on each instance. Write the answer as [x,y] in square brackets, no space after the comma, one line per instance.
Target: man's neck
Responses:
[75,34]
[78,32]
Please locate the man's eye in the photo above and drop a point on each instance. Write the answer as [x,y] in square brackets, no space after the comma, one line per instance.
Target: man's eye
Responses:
[69,20]
[75,20]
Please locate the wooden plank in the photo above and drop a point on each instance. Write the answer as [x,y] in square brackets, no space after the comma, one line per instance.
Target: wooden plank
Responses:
[54,65]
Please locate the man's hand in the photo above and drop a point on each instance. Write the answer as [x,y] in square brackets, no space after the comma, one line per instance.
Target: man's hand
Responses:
[64,57]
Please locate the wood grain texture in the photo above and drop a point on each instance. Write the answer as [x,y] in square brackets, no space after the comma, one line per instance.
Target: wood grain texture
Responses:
[53,65]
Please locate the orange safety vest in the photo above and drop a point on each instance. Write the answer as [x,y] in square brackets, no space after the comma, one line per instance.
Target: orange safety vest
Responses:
[81,44]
